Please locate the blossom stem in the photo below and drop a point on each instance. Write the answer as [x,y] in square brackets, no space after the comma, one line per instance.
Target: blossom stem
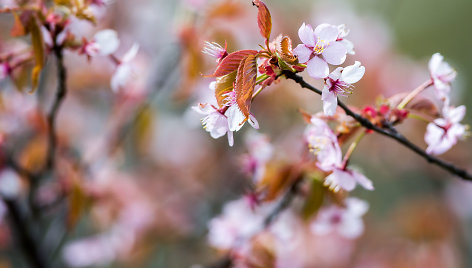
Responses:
[418,117]
[351,148]
[414,93]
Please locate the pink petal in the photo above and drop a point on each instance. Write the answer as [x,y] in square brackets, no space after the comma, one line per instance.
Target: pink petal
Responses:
[455,115]
[306,35]
[317,68]
[326,32]
[230,138]
[362,180]
[253,121]
[352,74]
[434,62]
[330,101]
[335,53]
[303,53]
[341,178]
[107,41]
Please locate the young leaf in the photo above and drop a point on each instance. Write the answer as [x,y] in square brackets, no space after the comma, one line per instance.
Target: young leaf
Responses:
[245,83]
[284,49]
[224,85]
[231,62]
[263,19]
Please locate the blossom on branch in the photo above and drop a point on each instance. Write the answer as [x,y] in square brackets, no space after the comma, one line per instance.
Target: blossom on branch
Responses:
[442,75]
[324,143]
[443,133]
[124,71]
[320,47]
[339,82]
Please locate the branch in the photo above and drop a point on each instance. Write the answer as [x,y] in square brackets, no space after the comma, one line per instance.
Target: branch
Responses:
[26,239]
[390,132]
[52,115]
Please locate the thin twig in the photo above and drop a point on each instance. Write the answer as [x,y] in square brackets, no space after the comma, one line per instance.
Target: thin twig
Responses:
[390,132]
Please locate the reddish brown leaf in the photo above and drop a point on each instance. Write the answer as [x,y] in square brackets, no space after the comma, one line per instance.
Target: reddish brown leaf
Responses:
[231,62]
[245,83]
[263,19]
[284,49]
[224,85]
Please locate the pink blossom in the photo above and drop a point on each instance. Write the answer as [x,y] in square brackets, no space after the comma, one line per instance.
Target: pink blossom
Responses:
[339,82]
[347,221]
[442,75]
[104,43]
[319,48]
[324,143]
[239,222]
[214,121]
[124,71]
[443,133]
[10,184]
[215,50]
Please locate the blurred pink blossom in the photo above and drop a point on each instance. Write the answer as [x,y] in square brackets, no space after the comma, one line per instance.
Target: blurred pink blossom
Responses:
[442,75]
[345,221]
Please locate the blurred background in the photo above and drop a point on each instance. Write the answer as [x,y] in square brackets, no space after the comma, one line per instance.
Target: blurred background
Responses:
[143,179]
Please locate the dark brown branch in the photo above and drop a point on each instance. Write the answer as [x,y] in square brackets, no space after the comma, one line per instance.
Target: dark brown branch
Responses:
[52,115]
[26,239]
[390,132]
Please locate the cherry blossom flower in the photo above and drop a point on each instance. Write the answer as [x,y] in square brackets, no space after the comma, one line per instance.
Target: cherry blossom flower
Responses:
[347,221]
[104,43]
[320,47]
[124,70]
[239,222]
[214,121]
[215,50]
[339,82]
[324,143]
[443,133]
[442,75]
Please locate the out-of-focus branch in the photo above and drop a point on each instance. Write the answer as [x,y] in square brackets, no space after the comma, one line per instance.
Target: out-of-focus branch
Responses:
[52,115]
[389,132]
[26,239]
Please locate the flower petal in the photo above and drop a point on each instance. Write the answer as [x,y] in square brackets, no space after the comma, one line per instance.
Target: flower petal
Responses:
[352,74]
[132,52]
[235,118]
[362,180]
[305,32]
[330,101]
[335,53]
[342,179]
[107,41]
[303,53]
[326,32]
[317,68]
